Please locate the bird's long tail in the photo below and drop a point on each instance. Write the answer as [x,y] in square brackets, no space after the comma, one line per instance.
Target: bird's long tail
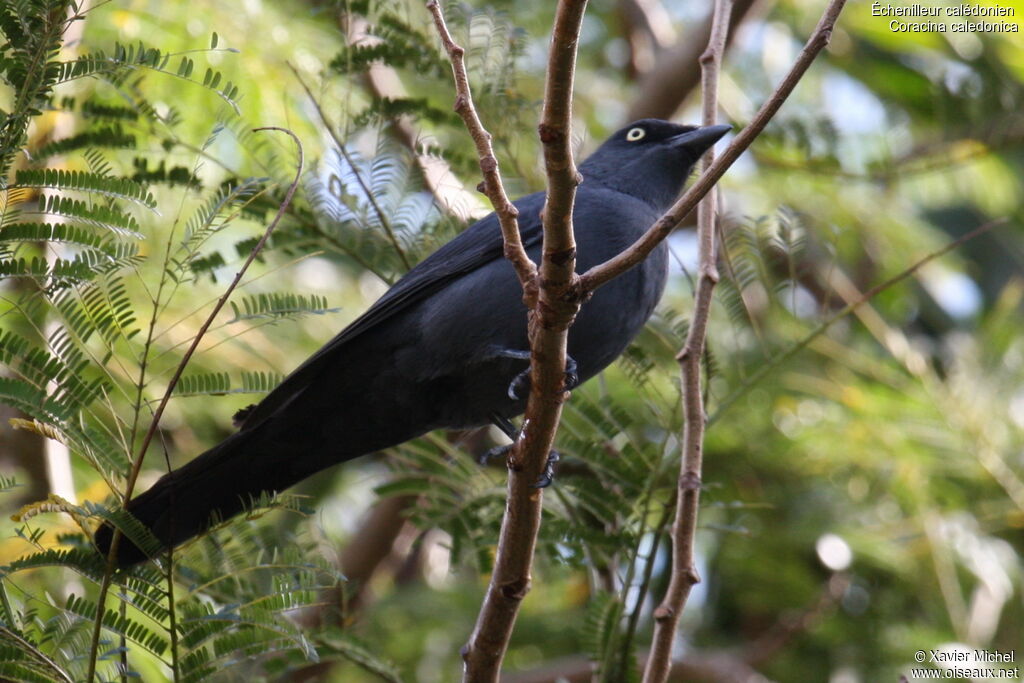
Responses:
[218,484]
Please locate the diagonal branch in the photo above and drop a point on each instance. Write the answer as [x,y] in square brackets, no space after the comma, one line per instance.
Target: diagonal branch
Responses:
[155,423]
[383,81]
[638,251]
[774,363]
[385,224]
[684,528]
[507,213]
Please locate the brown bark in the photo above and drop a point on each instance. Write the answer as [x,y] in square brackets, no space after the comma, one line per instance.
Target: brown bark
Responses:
[684,529]
[551,314]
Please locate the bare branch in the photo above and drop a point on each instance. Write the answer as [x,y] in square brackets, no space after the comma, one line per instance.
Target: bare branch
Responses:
[526,270]
[343,150]
[648,29]
[600,274]
[553,303]
[684,528]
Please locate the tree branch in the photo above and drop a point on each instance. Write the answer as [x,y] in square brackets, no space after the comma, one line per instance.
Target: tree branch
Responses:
[648,29]
[601,274]
[507,213]
[684,528]
[553,301]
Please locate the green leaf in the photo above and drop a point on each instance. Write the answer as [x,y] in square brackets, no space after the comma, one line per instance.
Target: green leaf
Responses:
[279,305]
[60,179]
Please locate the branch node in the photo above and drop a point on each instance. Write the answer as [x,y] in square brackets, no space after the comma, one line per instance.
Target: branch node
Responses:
[555,318]
[692,576]
[562,256]
[663,613]
[516,590]
[549,134]
[690,481]
[575,295]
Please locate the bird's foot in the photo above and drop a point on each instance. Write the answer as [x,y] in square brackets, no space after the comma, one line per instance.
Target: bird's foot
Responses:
[547,475]
[519,388]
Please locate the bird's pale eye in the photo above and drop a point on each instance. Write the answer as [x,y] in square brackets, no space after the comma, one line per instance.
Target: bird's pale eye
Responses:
[635,134]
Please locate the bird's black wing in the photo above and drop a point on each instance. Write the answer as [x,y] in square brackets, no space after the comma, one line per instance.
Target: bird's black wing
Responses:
[475,247]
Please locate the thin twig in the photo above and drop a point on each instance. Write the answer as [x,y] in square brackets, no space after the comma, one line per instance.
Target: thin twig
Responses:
[155,423]
[775,363]
[552,304]
[507,213]
[660,529]
[340,144]
[684,528]
[638,251]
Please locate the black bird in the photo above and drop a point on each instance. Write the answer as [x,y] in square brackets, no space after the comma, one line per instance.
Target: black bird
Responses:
[445,347]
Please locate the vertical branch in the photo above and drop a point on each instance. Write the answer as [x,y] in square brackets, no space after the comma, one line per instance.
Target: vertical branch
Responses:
[684,573]
[684,528]
[553,300]
[556,307]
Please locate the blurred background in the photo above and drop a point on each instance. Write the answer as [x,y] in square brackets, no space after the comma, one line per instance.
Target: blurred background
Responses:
[864,471]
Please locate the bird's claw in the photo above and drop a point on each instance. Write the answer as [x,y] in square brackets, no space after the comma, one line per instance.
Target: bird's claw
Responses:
[547,475]
[519,388]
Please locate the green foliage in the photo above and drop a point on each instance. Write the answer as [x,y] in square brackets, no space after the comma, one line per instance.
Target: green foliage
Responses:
[352,649]
[219,384]
[32,31]
[279,305]
[81,377]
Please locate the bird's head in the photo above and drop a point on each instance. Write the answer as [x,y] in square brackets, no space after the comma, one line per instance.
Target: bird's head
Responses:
[650,159]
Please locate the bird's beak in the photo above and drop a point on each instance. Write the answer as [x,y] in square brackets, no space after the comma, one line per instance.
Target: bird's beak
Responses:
[700,139]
